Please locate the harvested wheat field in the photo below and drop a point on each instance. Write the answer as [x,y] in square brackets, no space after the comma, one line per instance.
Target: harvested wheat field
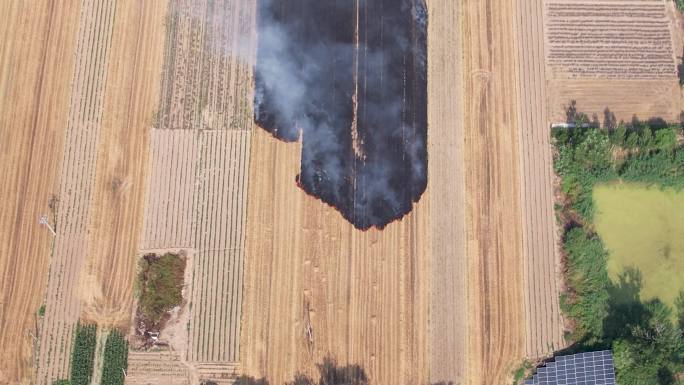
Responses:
[447,344]
[315,286]
[615,55]
[496,324]
[345,180]
[62,302]
[541,275]
[35,76]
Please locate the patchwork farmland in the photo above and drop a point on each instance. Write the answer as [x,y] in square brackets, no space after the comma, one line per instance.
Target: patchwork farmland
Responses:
[130,126]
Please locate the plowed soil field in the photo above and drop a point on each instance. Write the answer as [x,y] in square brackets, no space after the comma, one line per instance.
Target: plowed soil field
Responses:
[612,54]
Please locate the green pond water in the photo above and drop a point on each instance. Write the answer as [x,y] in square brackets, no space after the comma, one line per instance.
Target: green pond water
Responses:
[643,228]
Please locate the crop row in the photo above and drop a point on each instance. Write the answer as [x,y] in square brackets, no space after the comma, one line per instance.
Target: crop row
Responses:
[83,354]
[115,359]
[204,71]
[220,217]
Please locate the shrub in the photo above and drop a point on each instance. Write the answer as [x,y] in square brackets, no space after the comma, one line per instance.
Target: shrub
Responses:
[115,359]
[83,354]
[587,277]
[161,284]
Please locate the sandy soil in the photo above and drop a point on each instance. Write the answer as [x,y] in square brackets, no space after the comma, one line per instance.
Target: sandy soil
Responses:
[493,217]
[36,63]
[447,339]
[117,206]
[543,331]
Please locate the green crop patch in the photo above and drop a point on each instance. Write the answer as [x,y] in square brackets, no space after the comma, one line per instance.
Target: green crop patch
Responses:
[83,354]
[115,359]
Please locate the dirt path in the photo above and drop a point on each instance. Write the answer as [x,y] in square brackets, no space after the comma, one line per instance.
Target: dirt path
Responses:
[544,333]
[36,63]
[496,328]
[446,196]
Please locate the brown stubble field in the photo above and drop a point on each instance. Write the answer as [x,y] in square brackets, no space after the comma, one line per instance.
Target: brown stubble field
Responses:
[623,61]
[117,206]
[447,334]
[148,148]
[495,294]
[79,133]
[363,294]
[544,323]
[36,56]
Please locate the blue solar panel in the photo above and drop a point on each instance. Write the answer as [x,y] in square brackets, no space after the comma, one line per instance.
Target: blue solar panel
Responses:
[591,368]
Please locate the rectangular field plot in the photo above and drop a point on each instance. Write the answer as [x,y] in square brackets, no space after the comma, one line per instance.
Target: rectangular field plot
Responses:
[196,199]
[609,39]
[169,205]
[220,201]
[207,72]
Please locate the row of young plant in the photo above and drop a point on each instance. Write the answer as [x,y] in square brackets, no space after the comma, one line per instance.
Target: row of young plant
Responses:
[647,345]
[115,358]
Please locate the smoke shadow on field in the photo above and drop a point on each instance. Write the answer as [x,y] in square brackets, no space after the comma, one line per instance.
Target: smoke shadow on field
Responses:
[351,83]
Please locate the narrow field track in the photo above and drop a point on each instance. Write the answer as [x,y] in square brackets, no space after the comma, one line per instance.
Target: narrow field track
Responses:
[76,179]
[544,324]
[220,216]
[37,55]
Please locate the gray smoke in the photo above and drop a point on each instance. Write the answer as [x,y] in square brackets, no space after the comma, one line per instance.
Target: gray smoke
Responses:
[306,82]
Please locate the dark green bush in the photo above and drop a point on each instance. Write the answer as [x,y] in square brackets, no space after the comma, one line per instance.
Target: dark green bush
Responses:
[161,285]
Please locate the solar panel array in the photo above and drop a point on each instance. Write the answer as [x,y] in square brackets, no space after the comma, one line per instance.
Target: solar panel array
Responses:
[592,368]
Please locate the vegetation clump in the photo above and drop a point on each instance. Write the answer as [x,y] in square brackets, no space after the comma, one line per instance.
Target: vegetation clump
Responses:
[115,359]
[161,284]
[648,346]
[83,354]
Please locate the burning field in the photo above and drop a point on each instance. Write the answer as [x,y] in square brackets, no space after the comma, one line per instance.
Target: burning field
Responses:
[351,79]
[276,154]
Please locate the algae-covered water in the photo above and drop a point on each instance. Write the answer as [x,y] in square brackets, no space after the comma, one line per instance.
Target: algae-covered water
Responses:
[643,227]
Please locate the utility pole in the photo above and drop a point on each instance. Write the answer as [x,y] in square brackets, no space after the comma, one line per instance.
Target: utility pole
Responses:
[44,221]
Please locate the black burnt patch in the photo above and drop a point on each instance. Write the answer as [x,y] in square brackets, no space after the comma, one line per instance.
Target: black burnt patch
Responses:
[351,77]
